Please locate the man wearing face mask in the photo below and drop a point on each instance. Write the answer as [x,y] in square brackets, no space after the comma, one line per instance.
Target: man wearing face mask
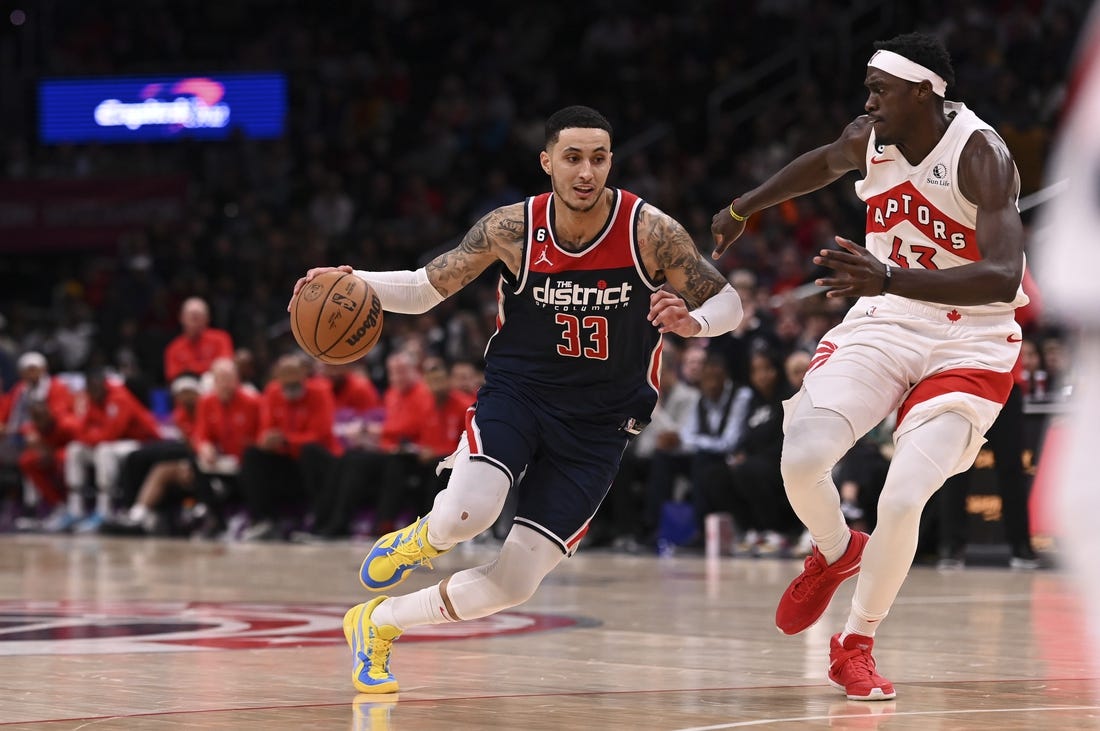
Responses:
[295,445]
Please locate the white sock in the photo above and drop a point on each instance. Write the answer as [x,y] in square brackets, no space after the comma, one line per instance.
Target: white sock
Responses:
[138,512]
[861,622]
[421,607]
[833,545]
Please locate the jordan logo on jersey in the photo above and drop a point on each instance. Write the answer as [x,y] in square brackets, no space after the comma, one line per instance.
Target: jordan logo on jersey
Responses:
[565,295]
[543,258]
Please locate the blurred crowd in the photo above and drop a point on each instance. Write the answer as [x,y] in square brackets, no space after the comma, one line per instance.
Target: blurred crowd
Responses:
[407,122]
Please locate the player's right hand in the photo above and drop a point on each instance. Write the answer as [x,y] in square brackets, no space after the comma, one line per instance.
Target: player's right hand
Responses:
[315,271]
[725,229]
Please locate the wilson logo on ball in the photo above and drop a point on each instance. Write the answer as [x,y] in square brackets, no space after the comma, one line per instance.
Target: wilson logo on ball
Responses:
[369,322]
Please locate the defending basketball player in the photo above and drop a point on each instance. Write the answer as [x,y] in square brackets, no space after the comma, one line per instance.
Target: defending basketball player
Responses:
[932,334]
[571,373]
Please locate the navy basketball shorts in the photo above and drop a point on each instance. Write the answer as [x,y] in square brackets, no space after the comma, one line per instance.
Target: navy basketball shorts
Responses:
[561,467]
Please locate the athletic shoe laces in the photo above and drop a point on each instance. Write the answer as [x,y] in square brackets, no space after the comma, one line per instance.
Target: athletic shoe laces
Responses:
[859,661]
[812,573]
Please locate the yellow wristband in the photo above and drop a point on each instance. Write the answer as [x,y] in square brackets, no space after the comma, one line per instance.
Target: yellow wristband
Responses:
[734,216]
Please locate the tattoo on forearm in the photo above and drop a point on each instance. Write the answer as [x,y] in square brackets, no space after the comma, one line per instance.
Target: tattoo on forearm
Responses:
[676,251]
[486,241]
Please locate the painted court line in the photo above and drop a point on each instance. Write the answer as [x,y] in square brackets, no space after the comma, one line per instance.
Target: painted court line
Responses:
[893,714]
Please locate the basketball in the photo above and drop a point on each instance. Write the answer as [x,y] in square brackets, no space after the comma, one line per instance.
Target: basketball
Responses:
[336,317]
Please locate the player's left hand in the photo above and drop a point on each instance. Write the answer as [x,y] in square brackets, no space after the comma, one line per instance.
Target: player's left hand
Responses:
[669,314]
[858,272]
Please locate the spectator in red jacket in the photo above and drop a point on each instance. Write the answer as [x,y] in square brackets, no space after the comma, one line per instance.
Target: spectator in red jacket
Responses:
[226,420]
[175,445]
[198,346]
[34,385]
[351,389]
[442,428]
[112,424]
[424,419]
[295,447]
[46,437]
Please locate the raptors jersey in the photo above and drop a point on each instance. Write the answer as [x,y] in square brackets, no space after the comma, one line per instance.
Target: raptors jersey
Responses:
[916,215]
[572,331]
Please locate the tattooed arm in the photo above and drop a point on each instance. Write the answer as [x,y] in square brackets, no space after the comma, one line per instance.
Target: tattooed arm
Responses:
[669,253]
[497,236]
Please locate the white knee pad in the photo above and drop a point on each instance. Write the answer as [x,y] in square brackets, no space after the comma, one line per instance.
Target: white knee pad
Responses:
[923,460]
[814,441]
[470,503]
[524,561]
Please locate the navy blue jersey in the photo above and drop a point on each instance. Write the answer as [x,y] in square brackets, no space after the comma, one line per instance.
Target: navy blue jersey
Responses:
[572,332]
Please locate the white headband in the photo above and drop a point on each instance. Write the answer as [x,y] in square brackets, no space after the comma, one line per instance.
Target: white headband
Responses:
[903,68]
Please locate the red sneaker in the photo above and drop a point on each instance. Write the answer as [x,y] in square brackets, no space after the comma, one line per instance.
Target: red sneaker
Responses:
[852,669]
[808,595]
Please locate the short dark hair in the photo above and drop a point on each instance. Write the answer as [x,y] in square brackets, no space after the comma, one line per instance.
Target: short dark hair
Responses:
[576,116]
[922,48]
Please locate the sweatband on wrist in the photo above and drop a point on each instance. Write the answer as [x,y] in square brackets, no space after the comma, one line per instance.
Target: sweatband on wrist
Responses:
[404,292]
[720,314]
[887,279]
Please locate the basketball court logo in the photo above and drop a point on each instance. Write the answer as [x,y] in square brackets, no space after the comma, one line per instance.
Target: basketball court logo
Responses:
[80,627]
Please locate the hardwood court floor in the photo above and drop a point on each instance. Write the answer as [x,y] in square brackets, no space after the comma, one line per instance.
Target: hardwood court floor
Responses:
[121,634]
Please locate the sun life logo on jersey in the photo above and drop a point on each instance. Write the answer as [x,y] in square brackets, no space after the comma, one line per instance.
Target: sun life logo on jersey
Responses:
[939,176]
[565,295]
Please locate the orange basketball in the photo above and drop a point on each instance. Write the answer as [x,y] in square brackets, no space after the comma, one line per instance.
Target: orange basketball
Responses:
[336,318]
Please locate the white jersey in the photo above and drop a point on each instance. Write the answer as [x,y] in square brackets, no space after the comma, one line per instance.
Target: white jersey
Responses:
[916,215]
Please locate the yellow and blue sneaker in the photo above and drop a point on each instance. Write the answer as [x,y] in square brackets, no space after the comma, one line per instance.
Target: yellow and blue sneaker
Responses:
[370,646]
[395,554]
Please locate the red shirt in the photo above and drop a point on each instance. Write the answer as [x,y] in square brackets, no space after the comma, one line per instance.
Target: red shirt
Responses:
[194,355]
[120,416]
[444,424]
[59,399]
[305,420]
[405,415]
[356,393]
[64,430]
[184,421]
[229,425]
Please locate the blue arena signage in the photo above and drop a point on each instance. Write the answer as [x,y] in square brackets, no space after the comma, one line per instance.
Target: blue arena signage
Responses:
[164,108]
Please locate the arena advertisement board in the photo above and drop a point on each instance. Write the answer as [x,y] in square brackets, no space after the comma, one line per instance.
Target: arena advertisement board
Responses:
[66,215]
[161,108]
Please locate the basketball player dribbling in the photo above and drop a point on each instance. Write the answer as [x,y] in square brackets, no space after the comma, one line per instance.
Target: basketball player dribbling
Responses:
[571,373]
[932,334]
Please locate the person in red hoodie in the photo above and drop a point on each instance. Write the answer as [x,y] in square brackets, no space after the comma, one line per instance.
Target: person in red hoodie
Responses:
[294,449]
[351,389]
[225,421]
[112,424]
[175,445]
[198,346]
[46,436]
[34,385]
[363,472]
[442,429]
